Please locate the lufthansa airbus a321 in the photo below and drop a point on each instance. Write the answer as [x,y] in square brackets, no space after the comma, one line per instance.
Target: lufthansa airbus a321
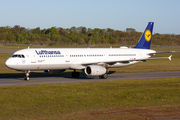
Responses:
[94,61]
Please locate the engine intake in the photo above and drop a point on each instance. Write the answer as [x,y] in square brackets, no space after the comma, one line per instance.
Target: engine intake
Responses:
[95,70]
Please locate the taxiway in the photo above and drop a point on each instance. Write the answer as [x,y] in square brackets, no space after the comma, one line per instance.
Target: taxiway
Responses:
[83,78]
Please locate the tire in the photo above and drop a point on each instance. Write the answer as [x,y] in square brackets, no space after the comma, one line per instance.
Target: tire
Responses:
[26,78]
[75,74]
[105,76]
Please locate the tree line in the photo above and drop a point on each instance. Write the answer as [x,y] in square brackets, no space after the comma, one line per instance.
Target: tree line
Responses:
[79,35]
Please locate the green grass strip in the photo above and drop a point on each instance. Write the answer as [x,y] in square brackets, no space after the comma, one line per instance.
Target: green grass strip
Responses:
[57,101]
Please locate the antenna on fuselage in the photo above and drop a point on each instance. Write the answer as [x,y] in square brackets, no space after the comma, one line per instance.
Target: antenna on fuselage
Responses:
[28,47]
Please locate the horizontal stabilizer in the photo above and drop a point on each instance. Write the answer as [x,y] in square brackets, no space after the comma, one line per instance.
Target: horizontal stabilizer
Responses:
[160,58]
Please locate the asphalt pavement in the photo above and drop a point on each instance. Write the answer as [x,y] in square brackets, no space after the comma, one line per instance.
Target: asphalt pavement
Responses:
[83,78]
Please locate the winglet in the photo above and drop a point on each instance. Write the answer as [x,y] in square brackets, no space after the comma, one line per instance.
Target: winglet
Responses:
[170,57]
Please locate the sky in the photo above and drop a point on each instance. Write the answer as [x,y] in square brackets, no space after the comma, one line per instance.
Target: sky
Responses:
[114,14]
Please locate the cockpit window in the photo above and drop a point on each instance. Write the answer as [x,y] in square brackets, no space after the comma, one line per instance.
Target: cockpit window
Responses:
[22,56]
[18,56]
[15,56]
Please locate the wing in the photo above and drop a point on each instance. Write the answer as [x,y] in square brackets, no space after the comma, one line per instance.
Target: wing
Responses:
[159,52]
[108,63]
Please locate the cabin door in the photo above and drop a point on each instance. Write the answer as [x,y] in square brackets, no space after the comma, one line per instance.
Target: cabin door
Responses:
[33,57]
[67,57]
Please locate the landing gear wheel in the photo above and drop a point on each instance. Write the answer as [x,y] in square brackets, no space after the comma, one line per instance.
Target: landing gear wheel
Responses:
[105,76]
[26,78]
[75,74]
[100,76]
[27,75]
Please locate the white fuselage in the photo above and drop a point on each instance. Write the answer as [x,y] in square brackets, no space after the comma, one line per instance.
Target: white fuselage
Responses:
[74,58]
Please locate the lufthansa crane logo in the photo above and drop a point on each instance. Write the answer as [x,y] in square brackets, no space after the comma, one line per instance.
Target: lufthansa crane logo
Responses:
[148,35]
[23,61]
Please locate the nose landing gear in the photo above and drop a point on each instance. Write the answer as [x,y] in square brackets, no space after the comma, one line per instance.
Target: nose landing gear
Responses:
[27,75]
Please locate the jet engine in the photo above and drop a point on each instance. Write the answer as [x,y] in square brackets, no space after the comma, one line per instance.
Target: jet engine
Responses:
[53,71]
[95,70]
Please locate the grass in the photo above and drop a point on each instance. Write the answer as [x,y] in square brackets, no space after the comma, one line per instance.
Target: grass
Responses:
[125,99]
[17,47]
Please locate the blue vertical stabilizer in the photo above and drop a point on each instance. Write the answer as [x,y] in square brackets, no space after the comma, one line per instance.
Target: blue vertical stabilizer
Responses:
[145,40]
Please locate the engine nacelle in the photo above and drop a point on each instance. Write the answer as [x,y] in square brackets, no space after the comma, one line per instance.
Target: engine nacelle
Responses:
[95,70]
[53,71]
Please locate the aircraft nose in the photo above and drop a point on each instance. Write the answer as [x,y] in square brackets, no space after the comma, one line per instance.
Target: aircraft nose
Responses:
[7,63]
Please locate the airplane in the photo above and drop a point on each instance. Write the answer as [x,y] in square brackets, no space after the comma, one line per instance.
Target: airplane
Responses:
[94,61]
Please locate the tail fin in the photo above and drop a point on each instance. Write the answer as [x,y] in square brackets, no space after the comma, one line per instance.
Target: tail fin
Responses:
[145,40]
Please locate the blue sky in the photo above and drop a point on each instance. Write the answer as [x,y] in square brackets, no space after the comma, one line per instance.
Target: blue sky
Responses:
[115,14]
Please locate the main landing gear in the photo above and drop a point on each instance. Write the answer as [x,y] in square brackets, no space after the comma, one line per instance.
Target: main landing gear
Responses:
[75,74]
[27,75]
[105,76]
